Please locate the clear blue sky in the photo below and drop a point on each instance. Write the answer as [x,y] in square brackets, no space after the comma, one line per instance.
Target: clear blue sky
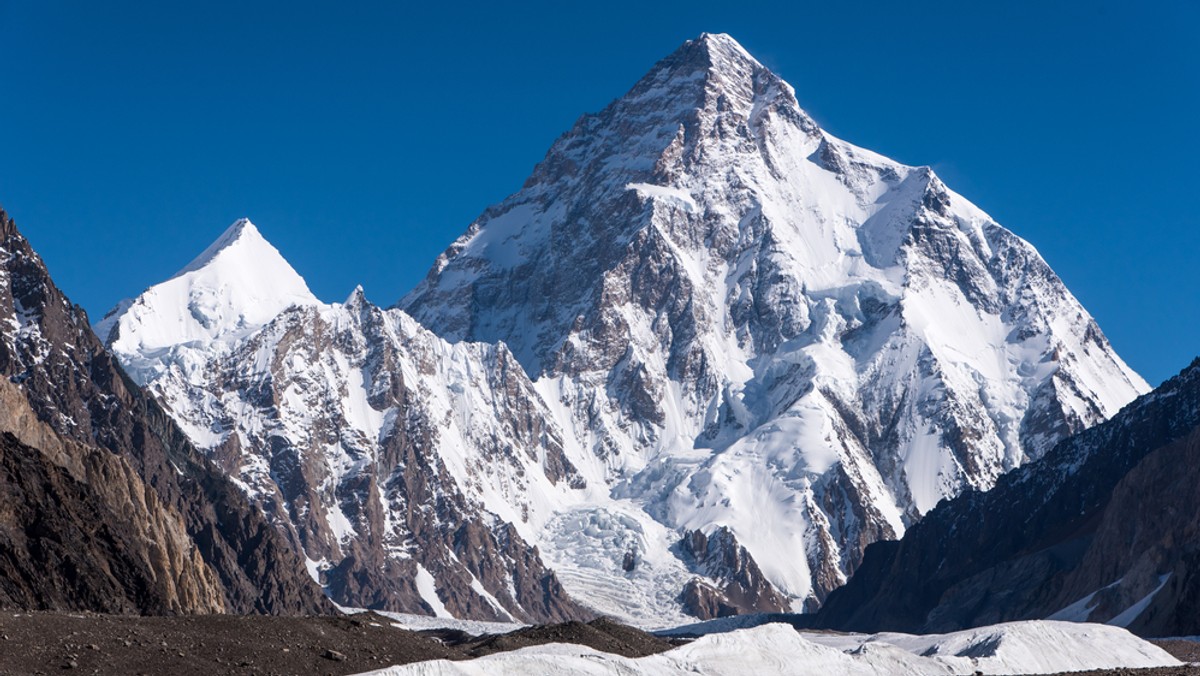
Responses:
[363,140]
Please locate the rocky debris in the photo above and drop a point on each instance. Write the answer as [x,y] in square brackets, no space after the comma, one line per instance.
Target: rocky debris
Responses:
[66,396]
[332,655]
[1104,519]
[1186,670]
[602,634]
[1180,649]
[224,645]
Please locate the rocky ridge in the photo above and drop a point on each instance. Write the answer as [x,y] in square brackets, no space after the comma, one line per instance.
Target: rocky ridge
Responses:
[105,491]
[396,463]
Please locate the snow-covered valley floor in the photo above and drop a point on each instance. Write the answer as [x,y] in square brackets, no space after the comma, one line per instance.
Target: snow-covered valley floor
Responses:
[1037,647]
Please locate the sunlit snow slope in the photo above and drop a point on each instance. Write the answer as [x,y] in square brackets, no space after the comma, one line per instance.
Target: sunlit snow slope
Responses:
[1016,648]
[235,286]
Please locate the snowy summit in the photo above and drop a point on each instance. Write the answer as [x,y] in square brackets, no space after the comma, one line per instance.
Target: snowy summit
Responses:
[234,287]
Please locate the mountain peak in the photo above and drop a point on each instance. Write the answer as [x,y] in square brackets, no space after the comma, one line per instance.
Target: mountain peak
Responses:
[241,233]
[709,55]
[722,46]
[357,298]
[698,266]
[237,285]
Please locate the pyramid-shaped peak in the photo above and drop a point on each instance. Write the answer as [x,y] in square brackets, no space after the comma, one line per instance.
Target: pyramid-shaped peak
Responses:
[723,44]
[237,285]
[241,233]
[242,259]
[706,73]
[356,298]
[717,52]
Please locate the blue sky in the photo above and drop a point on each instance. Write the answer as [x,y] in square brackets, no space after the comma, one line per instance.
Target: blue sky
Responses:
[362,140]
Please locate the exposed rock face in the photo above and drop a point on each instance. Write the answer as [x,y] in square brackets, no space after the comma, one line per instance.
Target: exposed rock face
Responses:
[380,448]
[99,541]
[172,532]
[741,321]
[1145,554]
[743,588]
[397,463]
[416,475]
[1101,529]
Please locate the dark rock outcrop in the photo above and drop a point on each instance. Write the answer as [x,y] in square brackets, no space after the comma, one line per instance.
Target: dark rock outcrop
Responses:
[99,541]
[1104,519]
[1148,542]
[68,397]
[742,586]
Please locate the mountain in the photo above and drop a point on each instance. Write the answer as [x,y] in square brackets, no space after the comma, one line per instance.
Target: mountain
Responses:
[704,357]
[231,289]
[750,326]
[1101,529]
[104,504]
[396,462]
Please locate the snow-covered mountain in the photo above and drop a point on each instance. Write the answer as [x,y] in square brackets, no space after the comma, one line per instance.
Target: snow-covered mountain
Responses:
[704,357]
[757,326]
[375,445]
[414,474]
[232,289]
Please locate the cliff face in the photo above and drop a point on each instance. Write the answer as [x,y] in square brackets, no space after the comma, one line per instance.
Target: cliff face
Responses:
[91,537]
[102,487]
[1146,550]
[409,471]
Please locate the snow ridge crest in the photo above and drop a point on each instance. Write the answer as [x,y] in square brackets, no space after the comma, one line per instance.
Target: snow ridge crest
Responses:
[242,232]
[237,285]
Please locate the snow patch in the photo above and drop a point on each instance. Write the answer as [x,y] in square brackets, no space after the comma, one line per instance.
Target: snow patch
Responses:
[1127,616]
[427,588]
[676,197]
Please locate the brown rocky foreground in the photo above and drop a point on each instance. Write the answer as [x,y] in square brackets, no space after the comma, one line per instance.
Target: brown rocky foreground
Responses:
[217,645]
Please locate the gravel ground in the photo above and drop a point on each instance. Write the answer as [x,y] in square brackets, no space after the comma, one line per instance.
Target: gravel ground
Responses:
[216,645]
[602,634]
[219,645]
[206,645]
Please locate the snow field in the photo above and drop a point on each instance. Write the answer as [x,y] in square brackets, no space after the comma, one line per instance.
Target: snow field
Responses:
[1039,647]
